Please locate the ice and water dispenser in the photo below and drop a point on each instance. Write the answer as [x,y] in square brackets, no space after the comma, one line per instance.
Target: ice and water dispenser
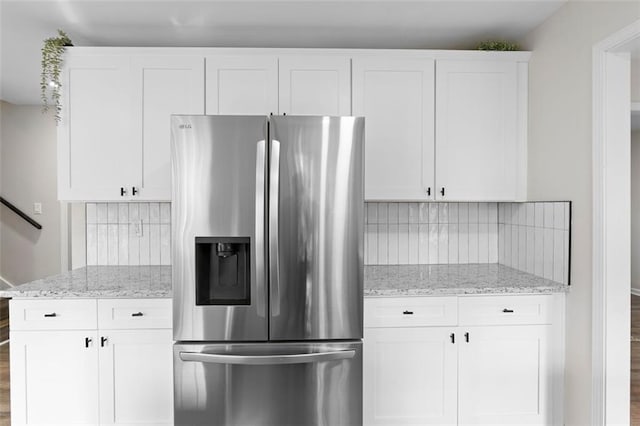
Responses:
[223,274]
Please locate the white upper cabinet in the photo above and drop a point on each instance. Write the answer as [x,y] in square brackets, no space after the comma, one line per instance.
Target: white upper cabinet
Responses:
[167,85]
[477,137]
[396,97]
[97,148]
[315,85]
[242,85]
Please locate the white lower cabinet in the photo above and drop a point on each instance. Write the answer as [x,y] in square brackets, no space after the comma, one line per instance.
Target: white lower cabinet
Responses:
[467,372]
[111,376]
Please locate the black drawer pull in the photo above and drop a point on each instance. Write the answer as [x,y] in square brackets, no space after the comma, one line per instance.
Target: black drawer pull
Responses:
[466,337]
[137,314]
[51,315]
[407,313]
[87,341]
[103,341]
[507,311]
[453,338]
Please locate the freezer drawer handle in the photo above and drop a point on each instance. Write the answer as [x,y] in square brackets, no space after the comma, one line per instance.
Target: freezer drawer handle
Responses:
[51,315]
[507,311]
[266,359]
[137,314]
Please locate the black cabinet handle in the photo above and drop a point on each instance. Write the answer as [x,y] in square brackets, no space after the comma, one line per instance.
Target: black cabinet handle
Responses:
[429,191]
[51,315]
[507,311]
[123,191]
[466,337]
[407,313]
[134,191]
[137,314]
[442,191]
[453,337]
[103,341]
[87,340]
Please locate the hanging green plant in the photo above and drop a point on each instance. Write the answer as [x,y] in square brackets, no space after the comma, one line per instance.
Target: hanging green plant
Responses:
[499,45]
[52,51]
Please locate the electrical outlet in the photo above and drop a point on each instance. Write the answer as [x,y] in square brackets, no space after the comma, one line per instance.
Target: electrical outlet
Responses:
[37,208]
[138,228]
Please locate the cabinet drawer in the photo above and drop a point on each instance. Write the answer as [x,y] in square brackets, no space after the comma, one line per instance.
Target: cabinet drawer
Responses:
[50,314]
[505,310]
[410,311]
[134,313]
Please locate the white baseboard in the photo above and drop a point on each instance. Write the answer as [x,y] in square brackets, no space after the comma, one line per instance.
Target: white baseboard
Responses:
[635,291]
[3,281]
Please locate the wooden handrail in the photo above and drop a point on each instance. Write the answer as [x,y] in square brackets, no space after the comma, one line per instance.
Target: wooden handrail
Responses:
[20,213]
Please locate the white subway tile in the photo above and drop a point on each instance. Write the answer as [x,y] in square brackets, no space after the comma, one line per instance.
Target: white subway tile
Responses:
[383,212]
[558,253]
[538,257]
[134,245]
[567,216]
[539,215]
[144,215]
[371,213]
[453,241]
[101,213]
[165,243]
[463,243]
[515,214]
[531,210]
[567,259]
[424,213]
[443,213]
[558,215]
[403,213]
[483,242]
[414,213]
[134,212]
[453,212]
[123,213]
[393,244]
[433,212]
[112,243]
[483,213]
[473,213]
[493,242]
[371,255]
[433,243]
[548,215]
[103,245]
[423,244]
[92,244]
[112,213]
[501,232]
[531,250]
[414,246]
[501,213]
[154,212]
[522,214]
[507,213]
[383,244]
[473,242]
[123,244]
[144,242]
[443,243]
[507,244]
[515,257]
[403,243]
[463,213]
[91,213]
[165,213]
[522,246]
[548,253]
[493,212]
[154,243]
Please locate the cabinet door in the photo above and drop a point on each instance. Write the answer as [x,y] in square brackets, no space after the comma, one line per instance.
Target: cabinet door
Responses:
[409,376]
[163,86]
[98,151]
[54,378]
[396,97]
[242,85]
[315,85]
[504,376]
[136,377]
[476,130]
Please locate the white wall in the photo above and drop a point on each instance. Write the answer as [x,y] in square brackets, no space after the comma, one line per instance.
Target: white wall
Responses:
[635,211]
[635,79]
[560,139]
[28,175]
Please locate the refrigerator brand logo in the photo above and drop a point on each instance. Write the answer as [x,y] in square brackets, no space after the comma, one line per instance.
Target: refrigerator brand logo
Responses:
[185,126]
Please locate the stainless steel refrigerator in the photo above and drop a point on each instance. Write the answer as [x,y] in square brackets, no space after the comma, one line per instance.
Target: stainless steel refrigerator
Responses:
[267,270]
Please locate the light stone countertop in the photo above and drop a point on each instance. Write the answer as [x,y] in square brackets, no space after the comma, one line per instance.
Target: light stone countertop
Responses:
[100,282]
[445,280]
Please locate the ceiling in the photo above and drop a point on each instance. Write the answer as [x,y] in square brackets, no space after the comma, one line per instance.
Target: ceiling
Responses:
[443,24]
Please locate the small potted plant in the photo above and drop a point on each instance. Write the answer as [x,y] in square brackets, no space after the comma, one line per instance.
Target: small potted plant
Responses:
[52,52]
[498,45]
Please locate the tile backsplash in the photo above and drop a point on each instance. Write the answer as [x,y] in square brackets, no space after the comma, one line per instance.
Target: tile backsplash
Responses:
[535,237]
[128,233]
[429,233]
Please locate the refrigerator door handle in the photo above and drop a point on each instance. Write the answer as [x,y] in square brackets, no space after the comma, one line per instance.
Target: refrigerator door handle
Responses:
[274,195]
[260,228]
[305,358]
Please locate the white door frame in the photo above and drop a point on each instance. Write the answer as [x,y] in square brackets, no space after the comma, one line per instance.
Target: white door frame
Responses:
[611,228]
